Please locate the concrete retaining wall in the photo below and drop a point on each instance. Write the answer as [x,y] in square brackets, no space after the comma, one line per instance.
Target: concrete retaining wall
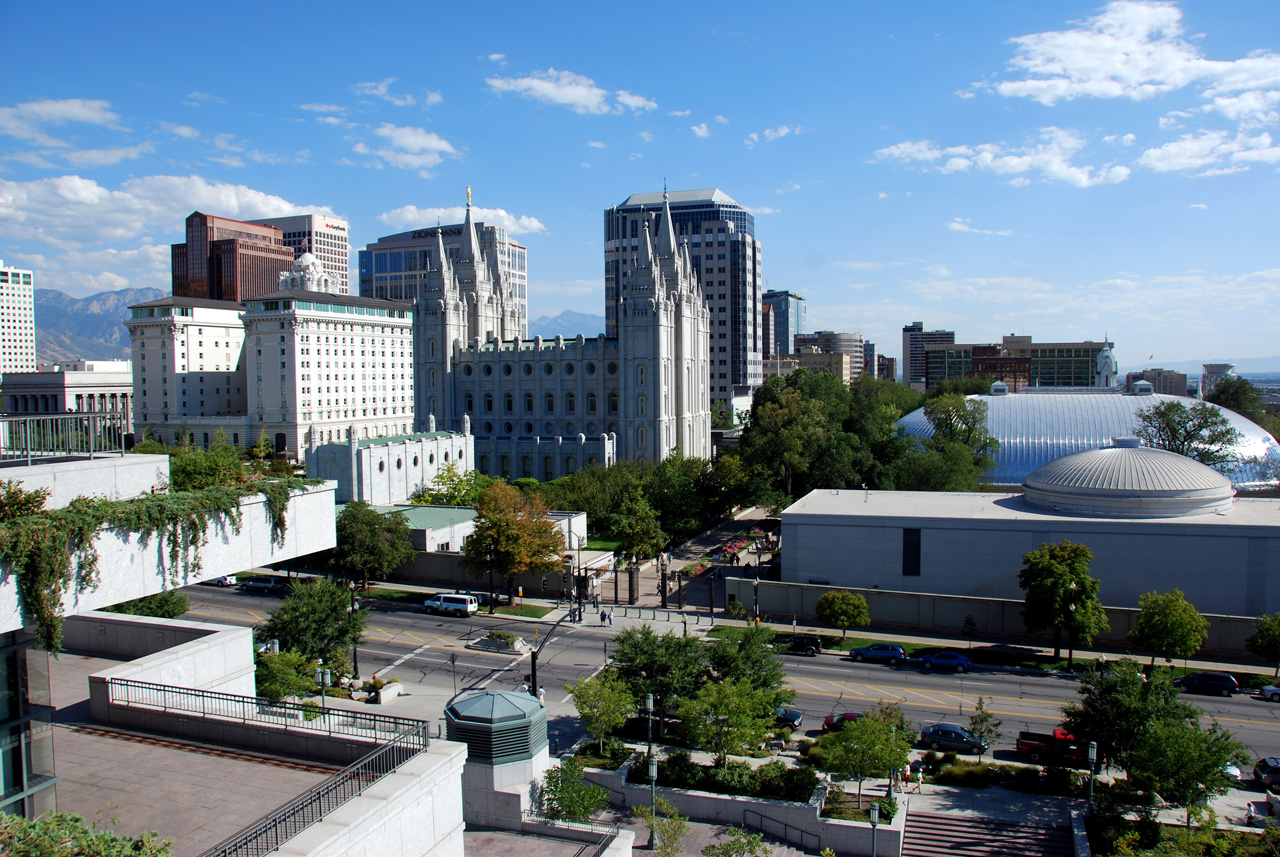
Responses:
[844,837]
[113,477]
[993,616]
[415,812]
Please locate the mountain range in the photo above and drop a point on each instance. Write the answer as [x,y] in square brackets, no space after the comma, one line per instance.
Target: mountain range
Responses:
[89,328]
[567,324]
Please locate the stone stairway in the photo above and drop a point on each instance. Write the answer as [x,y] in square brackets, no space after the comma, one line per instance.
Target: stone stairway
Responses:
[961,836]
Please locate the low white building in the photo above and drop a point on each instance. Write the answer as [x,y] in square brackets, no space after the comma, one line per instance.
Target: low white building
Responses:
[1154,520]
[81,386]
[387,470]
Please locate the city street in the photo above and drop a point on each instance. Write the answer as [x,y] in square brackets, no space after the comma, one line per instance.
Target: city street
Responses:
[429,655]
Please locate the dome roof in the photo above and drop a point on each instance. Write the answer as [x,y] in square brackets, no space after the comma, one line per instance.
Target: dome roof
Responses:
[1035,427]
[1131,481]
[305,261]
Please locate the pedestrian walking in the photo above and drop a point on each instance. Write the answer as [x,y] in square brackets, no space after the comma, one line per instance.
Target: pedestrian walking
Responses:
[604,616]
[541,695]
[1251,814]
[610,618]
[919,789]
[524,688]
[595,602]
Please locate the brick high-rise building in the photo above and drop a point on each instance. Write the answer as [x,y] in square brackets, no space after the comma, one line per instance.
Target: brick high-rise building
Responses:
[228,260]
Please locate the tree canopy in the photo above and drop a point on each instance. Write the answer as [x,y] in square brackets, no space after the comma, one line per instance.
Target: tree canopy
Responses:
[370,544]
[1265,642]
[316,620]
[1061,595]
[867,747]
[727,716]
[64,833]
[1201,431]
[513,532]
[637,528]
[1239,395]
[672,667]
[604,703]
[1184,762]
[843,610]
[451,487]
[1168,626]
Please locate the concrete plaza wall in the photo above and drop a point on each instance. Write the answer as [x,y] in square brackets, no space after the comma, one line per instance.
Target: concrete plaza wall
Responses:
[787,820]
[498,795]
[167,651]
[414,812]
[993,617]
[113,477]
[130,567]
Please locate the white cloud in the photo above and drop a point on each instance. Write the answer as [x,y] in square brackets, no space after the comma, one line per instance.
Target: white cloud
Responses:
[382,89]
[679,112]
[324,108]
[184,131]
[227,160]
[334,120]
[1217,151]
[595,144]
[1020,181]
[434,98]
[788,187]
[883,195]
[1050,155]
[199,98]
[1126,140]
[964,93]
[1197,205]
[409,148]
[700,130]
[961,224]
[771,134]
[71,212]
[721,119]
[107,157]
[84,272]
[414,139]
[764,209]
[580,94]
[646,136]
[634,155]
[867,266]
[635,102]
[498,58]
[25,121]
[410,216]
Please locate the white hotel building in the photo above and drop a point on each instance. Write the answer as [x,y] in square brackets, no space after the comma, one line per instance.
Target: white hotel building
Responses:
[295,361]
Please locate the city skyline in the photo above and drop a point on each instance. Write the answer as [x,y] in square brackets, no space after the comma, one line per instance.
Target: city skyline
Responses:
[1070,171]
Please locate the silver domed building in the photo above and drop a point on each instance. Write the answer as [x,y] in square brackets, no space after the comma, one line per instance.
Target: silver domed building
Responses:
[1040,425]
[1155,521]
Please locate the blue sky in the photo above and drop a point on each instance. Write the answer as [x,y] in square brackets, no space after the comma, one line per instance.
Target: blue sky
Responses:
[1064,170]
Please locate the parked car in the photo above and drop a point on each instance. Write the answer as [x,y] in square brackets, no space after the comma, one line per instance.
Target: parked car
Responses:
[1232,772]
[800,644]
[1218,684]
[1271,692]
[946,661]
[788,718]
[888,653]
[835,722]
[1266,773]
[1058,746]
[447,602]
[263,583]
[949,737]
[220,580]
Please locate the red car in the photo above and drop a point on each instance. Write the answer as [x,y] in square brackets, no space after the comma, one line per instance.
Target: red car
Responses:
[837,721]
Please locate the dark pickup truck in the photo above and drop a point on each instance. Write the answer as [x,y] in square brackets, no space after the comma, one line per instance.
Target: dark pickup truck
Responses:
[1056,747]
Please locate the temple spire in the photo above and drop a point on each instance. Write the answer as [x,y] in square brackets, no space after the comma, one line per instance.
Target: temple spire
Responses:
[667,231]
[470,246]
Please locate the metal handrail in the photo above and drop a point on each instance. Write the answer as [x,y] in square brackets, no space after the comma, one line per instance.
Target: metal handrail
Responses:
[82,434]
[570,823]
[250,709]
[786,829]
[271,831]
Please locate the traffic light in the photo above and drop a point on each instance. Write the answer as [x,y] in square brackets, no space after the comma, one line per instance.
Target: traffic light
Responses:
[564,578]
[544,583]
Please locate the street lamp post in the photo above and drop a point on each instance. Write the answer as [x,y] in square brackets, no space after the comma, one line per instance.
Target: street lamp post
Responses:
[875,822]
[1093,767]
[355,653]
[491,605]
[324,678]
[662,568]
[653,763]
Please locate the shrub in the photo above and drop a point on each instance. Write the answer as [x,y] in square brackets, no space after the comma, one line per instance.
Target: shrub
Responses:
[169,604]
[888,809]
[504,637]
[1028,779]
[1060,781]
[771,781]
[611,758]
[949,759]
[639,772]
[312,710]
[735,778]
[972,775]
[804,746]
[800,784]
[680,771]
[929,761]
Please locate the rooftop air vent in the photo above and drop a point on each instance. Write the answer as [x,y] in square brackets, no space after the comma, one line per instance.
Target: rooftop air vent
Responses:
[999,388]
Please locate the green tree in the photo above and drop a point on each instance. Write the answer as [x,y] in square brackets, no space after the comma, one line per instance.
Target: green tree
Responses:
[261,449]
[722,416]
[667,828]
[637,528]
[64,834]
[193,468]
[724,717]
[1184,763]
[739,844]
[671,667]
[169,604]
[370,544]
[786,435]
[1265,642]
[565,793]
[867,747]
[983,723]
[1118,707]
[513,536]
[1200,431]
[316,621]
[284,674]
[1168,626]
[604,703]
[747,655]
[843,610]
[1061,596]
[451,487]
[1238,394]
[976,385]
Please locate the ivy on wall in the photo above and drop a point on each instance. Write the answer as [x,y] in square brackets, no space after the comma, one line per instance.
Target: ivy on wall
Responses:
[51,551]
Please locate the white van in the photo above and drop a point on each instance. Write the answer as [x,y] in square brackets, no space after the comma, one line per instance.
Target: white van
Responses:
[458,605]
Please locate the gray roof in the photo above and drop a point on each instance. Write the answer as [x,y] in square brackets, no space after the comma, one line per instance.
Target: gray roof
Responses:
[330,298]
[711,195]
[1035,428]
[496,707]
[175,300]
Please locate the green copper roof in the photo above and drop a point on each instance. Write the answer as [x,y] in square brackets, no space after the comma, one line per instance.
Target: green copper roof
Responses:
[401,438]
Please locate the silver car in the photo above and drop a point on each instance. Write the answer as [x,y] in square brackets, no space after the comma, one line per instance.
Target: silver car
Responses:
[1271,692]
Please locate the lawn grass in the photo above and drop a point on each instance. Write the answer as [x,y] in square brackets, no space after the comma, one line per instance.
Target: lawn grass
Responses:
[599,544]
[530,611]
[400,596]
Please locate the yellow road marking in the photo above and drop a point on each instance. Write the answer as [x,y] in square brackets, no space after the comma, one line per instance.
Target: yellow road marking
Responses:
[912,704]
